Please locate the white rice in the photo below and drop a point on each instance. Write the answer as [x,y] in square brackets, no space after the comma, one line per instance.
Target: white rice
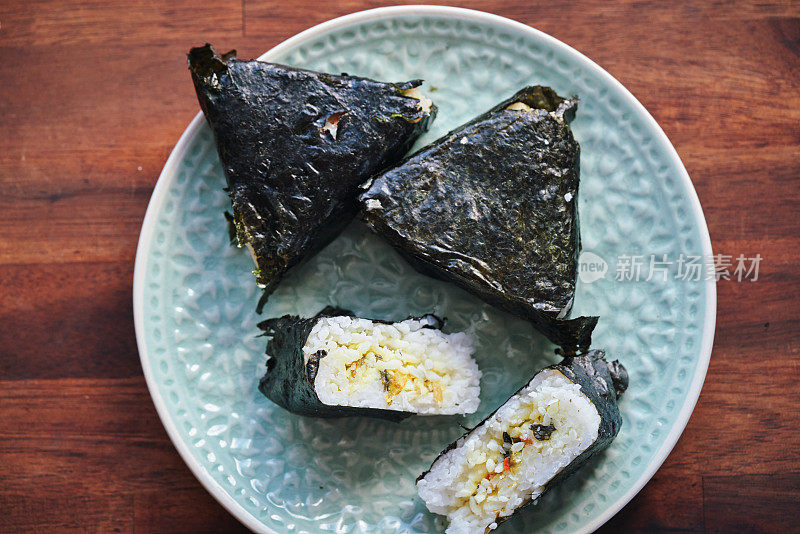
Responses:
[472,486]
[402,366]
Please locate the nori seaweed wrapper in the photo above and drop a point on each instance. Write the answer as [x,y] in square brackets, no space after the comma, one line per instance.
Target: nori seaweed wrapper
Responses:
[603,383]
[493,207]
[289,383]
[292,175]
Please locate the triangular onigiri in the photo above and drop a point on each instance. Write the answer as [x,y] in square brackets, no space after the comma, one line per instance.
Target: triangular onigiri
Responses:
[296,144]
[493,207]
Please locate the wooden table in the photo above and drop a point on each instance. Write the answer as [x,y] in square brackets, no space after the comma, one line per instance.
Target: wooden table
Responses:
[93,96]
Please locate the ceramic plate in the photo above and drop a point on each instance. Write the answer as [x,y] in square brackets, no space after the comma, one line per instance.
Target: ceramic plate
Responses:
[194,295]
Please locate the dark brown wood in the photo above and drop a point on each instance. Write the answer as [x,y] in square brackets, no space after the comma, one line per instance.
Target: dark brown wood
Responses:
[95,94]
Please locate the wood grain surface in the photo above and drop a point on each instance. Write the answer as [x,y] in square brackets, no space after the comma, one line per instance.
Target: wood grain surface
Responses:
[93,96]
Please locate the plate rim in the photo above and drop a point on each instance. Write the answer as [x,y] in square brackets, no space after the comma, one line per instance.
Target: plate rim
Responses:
[160,190]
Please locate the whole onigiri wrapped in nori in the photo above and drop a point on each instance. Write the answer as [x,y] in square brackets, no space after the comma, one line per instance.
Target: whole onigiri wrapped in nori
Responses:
[296,144]
[543,433]
[335,364]
[493,207]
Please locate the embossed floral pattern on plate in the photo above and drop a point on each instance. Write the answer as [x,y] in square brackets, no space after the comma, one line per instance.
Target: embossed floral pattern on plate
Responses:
[196,298]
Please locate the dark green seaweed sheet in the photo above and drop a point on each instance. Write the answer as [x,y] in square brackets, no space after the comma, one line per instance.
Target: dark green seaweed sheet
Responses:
[603,383]
[290,384]
[292,184]
[492,206]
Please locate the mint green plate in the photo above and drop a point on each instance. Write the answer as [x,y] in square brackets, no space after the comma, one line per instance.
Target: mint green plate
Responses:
[194,296]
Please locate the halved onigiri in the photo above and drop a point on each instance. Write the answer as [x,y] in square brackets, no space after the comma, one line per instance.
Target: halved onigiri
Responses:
[335,364]
[543,433]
